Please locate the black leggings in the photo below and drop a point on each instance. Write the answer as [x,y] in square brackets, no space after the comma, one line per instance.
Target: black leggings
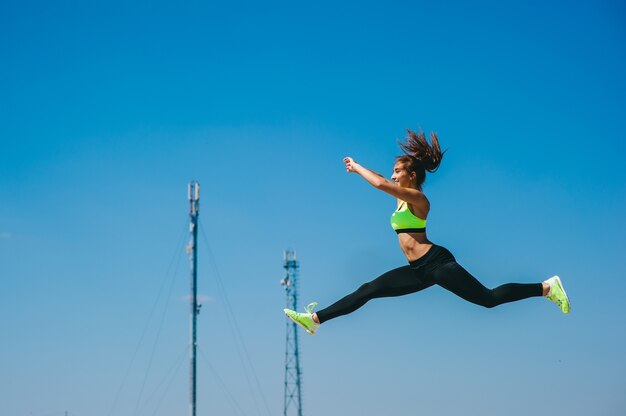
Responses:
[436,267]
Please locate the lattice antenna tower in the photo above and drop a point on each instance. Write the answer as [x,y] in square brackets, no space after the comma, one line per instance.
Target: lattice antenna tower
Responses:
[193,191]
[293,383]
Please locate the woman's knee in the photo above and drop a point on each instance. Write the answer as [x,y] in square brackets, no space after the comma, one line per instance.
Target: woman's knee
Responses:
[365,290]
[489,300]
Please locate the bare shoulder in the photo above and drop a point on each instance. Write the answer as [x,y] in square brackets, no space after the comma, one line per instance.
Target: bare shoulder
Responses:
[419,204]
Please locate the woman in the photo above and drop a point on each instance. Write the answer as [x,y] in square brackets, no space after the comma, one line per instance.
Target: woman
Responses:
[429,264]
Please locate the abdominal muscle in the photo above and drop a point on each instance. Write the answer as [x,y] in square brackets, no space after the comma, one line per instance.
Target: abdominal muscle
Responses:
[414,245]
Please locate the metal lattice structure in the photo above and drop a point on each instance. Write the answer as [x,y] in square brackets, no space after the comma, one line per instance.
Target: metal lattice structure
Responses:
[293,384]
[192,250]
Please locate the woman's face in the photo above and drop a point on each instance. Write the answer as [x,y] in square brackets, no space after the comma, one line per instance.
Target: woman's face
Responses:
[401,176]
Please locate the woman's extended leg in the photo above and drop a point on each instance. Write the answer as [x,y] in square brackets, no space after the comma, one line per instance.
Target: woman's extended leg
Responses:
[451,276]
[397,282]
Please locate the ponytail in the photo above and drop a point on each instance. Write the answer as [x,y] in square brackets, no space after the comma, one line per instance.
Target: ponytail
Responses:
[428,154]
[420,155]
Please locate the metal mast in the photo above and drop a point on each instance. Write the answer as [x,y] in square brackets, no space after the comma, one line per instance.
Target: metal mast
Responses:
[193,192]
[293,385]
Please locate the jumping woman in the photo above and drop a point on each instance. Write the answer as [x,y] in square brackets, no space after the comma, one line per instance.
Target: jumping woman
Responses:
[429,264]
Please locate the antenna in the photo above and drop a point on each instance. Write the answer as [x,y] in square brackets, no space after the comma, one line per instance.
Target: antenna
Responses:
[293,385]
[193,194]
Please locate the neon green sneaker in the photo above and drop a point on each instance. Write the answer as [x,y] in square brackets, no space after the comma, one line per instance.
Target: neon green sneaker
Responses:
[305,320]
[557,294]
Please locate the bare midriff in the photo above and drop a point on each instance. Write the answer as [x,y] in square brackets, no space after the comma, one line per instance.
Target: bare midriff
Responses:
[414,245]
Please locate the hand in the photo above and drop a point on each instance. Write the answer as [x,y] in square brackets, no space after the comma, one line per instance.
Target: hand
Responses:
[350,164]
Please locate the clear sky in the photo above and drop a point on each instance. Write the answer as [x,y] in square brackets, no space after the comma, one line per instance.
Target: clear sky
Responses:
[108,110]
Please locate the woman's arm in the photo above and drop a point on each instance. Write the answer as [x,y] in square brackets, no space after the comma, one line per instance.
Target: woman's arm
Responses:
[410,195]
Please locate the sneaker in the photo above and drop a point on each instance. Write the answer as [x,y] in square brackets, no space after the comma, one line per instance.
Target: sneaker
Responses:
[305,320]
[557,294]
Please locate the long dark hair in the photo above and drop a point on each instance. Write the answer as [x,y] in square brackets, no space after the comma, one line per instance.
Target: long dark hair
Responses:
[419,155]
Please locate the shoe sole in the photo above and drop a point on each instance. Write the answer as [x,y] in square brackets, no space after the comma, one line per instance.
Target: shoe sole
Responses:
[299,324]
[558,281]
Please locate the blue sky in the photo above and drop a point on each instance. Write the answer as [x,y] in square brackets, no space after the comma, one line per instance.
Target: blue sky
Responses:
[109,109]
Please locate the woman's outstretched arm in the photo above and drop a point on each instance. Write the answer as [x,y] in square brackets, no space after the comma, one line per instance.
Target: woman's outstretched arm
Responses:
[410,195]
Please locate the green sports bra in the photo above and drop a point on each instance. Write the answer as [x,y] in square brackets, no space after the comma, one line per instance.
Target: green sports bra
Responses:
[403,221]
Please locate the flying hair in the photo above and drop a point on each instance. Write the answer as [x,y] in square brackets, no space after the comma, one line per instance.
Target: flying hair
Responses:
[417,146]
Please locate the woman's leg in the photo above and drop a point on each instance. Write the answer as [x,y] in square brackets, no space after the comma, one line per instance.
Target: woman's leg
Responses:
[397,282]
[456,279]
